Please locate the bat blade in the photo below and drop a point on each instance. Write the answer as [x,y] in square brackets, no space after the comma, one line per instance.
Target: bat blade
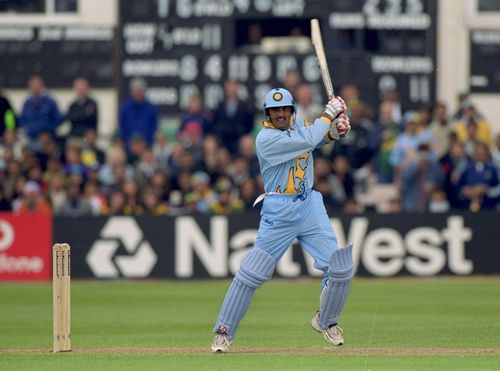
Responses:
[317,42]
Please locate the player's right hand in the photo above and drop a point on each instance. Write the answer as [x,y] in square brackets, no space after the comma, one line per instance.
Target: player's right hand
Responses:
[334,107]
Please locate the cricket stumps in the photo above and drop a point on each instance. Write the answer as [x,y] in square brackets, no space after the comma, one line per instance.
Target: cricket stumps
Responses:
[61,276]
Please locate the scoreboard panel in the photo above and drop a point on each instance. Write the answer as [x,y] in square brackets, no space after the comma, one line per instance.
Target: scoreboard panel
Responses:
[186,46]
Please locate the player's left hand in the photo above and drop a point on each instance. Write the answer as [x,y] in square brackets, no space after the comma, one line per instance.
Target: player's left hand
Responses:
[340,126]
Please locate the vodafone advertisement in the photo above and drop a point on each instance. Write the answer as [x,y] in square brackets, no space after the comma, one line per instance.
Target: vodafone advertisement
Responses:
[25,246]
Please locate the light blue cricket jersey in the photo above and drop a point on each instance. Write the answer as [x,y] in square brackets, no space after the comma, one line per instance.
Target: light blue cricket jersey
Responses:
[285,156]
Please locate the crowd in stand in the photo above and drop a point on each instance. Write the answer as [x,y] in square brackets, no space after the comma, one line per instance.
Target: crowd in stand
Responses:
[392,160]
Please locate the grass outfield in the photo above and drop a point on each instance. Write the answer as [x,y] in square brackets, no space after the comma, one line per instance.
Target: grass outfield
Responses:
[389,324]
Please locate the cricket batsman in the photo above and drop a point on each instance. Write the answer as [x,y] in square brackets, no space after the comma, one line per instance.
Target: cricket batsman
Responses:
[291,210]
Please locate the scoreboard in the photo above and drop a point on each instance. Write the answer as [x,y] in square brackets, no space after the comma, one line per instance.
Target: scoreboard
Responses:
[484,61]
[59,53]
[186,46]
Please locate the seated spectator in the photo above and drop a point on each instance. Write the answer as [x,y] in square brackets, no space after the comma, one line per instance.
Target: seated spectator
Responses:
[4,202]
[202,191]
[32,201]
[72,161]
[470,115]
[76,204]
[479,182]
[147,165]
[195,117]
[438,202]
[191,139]
[226,201]
[407,144]
[471,140]
[162,150]
[247,151]
[83,111]
[160,183]
[116,203]
[94,197]
[420,176]
[115,158]
[92,157]
[151,203]
[440,127]
[40,112]
[248,194]
[131,189]
[138,116]
[453,164]
[382,139]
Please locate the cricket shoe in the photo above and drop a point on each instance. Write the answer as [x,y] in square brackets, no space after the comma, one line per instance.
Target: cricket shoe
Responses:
[221,343]
[332,334]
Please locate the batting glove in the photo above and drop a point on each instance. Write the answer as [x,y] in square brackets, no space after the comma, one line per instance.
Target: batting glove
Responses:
[340,126]
[334,107]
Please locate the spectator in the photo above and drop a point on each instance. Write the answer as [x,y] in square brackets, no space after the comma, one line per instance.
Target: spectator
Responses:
[76,204]
[420,176]
[7,116]
[83,111]
[146,166]
[441,129]
[470,115]
[249,193]
[32,201]
[115,158]
[382,139]
[453,164]
[194,116]
[226,201]
[407,143]
[438,202]
[131,189]
[4,202]
[306,108]
[40,112]
[292,80]
[232,118]
[209,161]
[116,203]
[151,203]
[92,157]
[57,193]
[355,146]
[342,181]
[202,191]
[95,198]
[162,150]
[247,151]
[479,183]
[72,161]
[138,116]
[392,96]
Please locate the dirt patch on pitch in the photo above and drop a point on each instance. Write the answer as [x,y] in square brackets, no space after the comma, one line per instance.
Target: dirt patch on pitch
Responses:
[337,351]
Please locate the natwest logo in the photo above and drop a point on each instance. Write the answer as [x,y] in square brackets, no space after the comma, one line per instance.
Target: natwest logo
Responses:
[383,251]
[121,230]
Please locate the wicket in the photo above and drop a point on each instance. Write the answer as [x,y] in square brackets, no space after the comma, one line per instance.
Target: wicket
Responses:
[61,311]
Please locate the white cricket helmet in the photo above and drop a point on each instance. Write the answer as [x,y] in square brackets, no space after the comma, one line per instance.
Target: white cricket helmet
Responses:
[279,97]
